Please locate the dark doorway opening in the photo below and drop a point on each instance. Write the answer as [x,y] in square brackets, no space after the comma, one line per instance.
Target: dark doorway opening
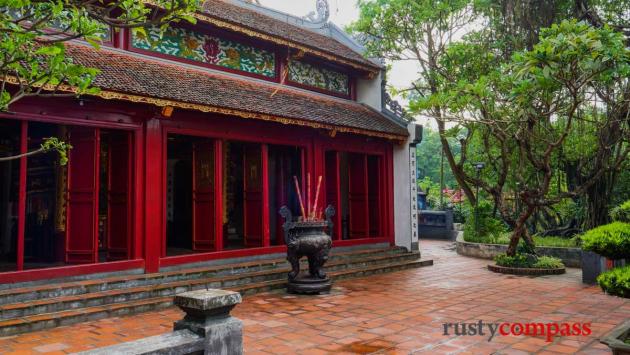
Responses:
[285,162]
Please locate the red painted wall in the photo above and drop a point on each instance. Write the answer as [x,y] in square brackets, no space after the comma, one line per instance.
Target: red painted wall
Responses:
[147,135]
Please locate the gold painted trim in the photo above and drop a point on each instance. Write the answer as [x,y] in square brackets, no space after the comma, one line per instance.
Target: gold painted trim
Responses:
[114,95]
[275,39]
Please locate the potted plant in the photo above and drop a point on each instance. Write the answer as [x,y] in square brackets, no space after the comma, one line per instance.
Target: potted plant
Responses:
[607,246]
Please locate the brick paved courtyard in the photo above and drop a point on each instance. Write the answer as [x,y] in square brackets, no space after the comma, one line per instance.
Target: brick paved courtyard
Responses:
[396,313]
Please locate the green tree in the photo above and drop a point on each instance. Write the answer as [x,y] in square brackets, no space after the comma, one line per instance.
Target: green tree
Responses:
[33,61]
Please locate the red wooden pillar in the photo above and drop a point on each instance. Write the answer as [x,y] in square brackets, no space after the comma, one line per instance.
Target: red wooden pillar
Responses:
[154,191]
[22,196]
[265,195]
[218,193]
[389,207]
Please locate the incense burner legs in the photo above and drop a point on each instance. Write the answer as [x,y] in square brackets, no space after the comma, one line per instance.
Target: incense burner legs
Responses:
[307,239]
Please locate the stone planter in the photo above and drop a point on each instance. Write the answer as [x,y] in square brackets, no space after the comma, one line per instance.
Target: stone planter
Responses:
[594,264]
[571,257]
[616,339]
[525,271]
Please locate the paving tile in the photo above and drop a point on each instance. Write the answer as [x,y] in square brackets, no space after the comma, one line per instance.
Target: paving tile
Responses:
[396,313]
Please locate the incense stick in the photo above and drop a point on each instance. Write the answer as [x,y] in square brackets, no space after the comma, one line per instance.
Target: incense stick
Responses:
[297,189]
[319,184]
[308,196]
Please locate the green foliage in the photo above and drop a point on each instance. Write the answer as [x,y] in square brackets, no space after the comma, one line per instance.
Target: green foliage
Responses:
[429,153]
[487,225]
[59,146]
[32,34]
[528,261]
[610,240]
[539,241]
[548,262]
[621,213]
[616,281]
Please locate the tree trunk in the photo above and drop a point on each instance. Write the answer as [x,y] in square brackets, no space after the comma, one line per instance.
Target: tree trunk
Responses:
[520,230]
[597,198]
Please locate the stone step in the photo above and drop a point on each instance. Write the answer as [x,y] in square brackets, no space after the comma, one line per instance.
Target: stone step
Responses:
[55,319]
[51,290]
[119,295]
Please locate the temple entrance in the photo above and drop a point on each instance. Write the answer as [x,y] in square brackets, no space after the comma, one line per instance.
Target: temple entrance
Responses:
[285,162]
[190,196]
[354,187]
[243,195]
[77,213]
[9,188]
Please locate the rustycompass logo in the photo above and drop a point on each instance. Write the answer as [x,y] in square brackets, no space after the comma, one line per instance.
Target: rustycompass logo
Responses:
[547,330]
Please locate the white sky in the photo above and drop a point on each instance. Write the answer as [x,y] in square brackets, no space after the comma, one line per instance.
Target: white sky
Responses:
[342,13]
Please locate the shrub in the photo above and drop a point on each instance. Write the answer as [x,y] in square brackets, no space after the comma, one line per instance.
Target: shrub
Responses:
[621,213]
[548,262]
[487,224]
[610,240]
[528,261]
[616,281]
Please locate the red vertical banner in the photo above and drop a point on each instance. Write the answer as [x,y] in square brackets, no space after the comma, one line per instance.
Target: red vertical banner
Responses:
[22,196]
[332,184]
[357,196]
[253,195]
[82,212]
[119,196]
[203,196]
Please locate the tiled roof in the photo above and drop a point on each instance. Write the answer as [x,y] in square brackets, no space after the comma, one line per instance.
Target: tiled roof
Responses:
[164,83]
[258,22]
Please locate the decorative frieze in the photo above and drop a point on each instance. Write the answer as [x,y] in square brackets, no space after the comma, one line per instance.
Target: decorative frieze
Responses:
[318,77]
[183,43]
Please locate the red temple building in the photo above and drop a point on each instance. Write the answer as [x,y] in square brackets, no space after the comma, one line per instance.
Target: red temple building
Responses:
[189,149]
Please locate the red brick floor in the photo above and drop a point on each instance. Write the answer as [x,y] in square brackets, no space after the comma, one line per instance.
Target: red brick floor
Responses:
[396,313]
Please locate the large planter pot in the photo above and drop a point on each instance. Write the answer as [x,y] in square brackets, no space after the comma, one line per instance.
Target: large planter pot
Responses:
[307,239]
[616,339]
[594,264]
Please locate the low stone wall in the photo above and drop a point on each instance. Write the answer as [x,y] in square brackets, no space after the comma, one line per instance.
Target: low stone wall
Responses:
[571,257]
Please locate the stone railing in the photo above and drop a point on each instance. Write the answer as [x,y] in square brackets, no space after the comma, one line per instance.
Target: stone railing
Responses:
[207,328]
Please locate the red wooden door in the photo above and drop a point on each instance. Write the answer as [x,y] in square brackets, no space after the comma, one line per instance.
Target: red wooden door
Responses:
[252,195]
[332,184]
[282,198]
[203,196]
[357,196]
[118,197]
[82,212]
[374,195]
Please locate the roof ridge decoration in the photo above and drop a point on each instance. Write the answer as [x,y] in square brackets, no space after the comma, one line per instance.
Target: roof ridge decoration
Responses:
[323,13]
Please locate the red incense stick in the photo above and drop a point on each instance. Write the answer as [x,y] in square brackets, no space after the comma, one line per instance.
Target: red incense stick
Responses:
[297,189]
[319,184]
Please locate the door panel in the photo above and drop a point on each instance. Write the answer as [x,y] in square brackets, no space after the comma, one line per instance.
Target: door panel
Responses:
[333,194]
[357,196]
[119,201]
[203,197]
[374,195]
[81,231]
[252,195]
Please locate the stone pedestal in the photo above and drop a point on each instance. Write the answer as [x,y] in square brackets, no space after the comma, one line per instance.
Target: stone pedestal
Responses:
[208,315]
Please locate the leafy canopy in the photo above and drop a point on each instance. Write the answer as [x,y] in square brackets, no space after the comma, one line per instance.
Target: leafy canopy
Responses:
[32,33]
